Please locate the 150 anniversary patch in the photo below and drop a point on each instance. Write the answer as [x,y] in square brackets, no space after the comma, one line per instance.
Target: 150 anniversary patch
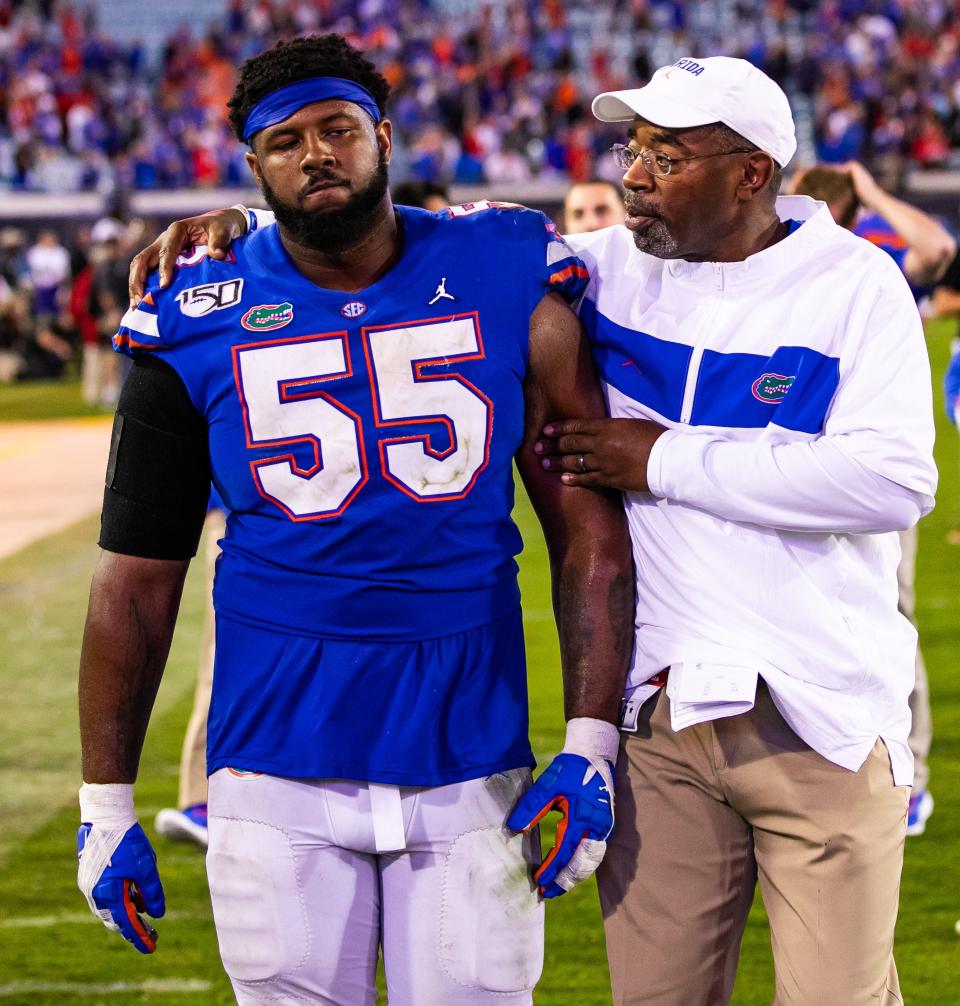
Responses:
[201,300]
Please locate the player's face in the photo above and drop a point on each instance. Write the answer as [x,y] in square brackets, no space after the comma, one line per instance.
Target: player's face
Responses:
[590,206]
[323,172]
[688,213]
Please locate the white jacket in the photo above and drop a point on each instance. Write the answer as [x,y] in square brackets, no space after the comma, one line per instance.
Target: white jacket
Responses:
[797,392]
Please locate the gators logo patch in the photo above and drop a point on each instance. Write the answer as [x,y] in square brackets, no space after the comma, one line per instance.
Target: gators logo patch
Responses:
[266,317]
[772,388]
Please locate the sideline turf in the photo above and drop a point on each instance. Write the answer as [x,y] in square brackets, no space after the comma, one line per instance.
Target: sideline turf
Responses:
[44,593]
[45,400]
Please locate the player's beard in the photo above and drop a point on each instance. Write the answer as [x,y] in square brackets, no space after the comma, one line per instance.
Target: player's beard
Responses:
[332,231]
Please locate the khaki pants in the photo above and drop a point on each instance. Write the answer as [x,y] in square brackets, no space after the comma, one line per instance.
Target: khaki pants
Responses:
[193,755]
[100,375]
[701,813]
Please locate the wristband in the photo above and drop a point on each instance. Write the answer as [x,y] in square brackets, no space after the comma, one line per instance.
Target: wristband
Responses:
[245,213]
[592,738]
[107,805]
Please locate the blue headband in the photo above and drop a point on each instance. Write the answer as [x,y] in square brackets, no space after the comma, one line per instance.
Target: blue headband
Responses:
[282,103]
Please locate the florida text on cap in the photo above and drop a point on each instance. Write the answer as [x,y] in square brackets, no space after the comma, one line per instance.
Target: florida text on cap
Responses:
[696,92]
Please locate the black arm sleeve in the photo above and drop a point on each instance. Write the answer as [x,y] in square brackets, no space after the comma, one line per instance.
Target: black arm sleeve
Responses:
[158,474]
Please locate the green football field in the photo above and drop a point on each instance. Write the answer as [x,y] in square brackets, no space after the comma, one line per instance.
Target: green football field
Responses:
[53,951]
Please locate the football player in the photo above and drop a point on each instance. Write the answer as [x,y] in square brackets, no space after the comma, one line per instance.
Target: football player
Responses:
[357,379]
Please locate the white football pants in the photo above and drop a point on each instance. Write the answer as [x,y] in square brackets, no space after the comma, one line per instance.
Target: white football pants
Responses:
[310,878]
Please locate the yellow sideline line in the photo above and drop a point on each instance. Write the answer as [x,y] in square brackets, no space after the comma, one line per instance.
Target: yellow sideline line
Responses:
[17,449]
[74,918]
[162,986]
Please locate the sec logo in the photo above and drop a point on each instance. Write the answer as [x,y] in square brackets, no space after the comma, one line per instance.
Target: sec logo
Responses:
[353,309]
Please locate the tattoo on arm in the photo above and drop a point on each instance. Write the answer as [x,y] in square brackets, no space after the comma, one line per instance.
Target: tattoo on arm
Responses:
[584,642]
[138,689]
[133,608]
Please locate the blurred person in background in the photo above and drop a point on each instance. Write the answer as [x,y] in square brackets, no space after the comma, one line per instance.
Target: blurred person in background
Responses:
[10,359]
[427,195]
[81,308]
[922,248]
[48,269]
[945,303]
[13,266]
[108,299]
[588,206]
[16,304]
[920,245]
[50,348]
[945,298]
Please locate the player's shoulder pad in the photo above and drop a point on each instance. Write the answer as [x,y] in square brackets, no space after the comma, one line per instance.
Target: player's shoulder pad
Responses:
[503,218]
[550,255]
[200,286]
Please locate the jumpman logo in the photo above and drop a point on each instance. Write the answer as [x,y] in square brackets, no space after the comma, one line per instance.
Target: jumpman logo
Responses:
[441,293]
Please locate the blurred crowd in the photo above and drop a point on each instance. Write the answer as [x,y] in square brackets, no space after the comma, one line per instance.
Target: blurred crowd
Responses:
[494,92]
[60,306]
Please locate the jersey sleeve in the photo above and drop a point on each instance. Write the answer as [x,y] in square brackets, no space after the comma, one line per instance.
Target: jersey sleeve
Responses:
[155,323]
[567,273]
[545,254]
[139,329]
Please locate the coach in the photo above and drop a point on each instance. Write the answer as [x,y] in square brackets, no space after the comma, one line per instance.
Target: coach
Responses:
[772,430]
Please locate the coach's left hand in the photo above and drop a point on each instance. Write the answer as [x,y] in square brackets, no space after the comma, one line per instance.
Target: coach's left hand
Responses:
[600,452]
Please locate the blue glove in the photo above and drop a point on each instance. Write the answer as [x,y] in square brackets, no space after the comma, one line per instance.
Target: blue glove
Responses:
[118,875]
[581,789]
[951,384]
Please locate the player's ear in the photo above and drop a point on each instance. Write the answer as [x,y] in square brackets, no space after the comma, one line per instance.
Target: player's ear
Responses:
[384,132]
[253,163]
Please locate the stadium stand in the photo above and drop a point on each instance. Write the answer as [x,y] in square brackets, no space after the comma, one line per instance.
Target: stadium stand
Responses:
[117,109]
[496,92]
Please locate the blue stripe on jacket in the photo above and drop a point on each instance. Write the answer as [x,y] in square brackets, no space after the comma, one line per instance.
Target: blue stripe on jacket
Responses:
[792,387]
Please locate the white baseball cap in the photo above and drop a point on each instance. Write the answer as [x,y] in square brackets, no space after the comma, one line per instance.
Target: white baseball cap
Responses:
[107,229]
[695,92]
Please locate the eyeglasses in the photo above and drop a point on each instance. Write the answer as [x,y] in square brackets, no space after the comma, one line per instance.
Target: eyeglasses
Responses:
[657,164]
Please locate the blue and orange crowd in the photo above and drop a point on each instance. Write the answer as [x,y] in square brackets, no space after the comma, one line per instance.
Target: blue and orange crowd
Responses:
[482,92]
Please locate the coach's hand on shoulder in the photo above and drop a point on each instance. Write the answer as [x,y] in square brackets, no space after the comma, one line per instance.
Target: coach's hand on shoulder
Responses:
[216,229]
[578,783]
[600,452]
[118,867]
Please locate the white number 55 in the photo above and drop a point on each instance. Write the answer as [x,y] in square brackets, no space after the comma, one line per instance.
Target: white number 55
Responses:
[283,389]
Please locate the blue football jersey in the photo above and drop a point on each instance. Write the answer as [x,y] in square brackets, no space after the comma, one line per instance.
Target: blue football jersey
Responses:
[362,444]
